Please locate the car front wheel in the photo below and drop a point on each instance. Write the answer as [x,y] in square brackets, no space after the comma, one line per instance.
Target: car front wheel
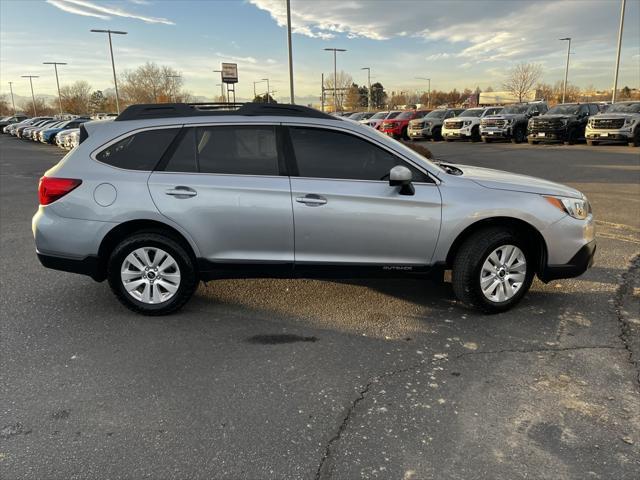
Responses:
[151,274]
[492,270]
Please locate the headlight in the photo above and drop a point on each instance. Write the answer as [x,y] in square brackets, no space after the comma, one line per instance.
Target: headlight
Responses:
[575,207]
[467,123]
[591,122]
[629,121]
[428,124]
[564,122]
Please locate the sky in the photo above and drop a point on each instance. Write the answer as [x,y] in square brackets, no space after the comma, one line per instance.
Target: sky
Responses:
[456,43]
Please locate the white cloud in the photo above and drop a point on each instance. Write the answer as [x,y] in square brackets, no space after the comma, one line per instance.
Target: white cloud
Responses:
[91,9]
[438,56]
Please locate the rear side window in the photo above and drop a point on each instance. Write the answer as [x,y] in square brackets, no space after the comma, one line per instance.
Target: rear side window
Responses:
[140,151]
[234,150]
[329,154]
[593,109]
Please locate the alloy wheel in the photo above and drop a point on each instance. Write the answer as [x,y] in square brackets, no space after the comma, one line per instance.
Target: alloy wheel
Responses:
[150,275]
[503,273]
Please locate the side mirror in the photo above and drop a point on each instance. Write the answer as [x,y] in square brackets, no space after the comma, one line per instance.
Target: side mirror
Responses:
[400,176]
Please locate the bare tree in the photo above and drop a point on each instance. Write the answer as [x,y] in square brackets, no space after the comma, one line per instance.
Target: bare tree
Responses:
[344,81]
[76,98]
[522,79]
[152,83]
[5,106]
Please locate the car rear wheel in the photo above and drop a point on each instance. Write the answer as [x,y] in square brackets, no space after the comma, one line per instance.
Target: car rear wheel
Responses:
[572,137]
[475,134]
[635,142]
[492,270]
[151,274]
[436,135]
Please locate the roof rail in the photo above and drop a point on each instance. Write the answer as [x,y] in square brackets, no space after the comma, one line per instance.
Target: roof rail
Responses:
[171,110]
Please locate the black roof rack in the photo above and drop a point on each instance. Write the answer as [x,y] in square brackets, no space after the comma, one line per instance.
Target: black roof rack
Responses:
[170,110]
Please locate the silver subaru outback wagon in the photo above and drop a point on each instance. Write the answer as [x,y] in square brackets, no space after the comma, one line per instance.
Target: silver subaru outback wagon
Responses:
[169,195]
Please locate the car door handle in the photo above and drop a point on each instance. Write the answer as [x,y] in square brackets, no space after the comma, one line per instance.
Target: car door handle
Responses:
[181,192]
[312,200]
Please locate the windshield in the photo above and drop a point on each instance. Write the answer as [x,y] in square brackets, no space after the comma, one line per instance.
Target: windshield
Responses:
[355,116]
[564,109]
[393,115]
[624,108]
[379,115]
[472,112]
[406,115]
[515,109]
[436,114]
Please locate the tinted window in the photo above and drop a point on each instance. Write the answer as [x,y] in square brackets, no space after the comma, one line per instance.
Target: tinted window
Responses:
[328,154]
[239,150]
[140,151]
[183,158]
[593,109]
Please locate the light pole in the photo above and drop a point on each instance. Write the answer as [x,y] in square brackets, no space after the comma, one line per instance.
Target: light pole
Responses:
[429,91]
[13,104]
[33,97]
[113,65]
[55,67]
[267,80]
[615,77]
[221,84]
[255,94]
[335,76]
[368,69]
[290,53]
[566,71]
[171,90]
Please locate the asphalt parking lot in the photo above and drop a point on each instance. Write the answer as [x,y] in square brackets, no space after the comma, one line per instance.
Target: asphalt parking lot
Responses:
[301,379]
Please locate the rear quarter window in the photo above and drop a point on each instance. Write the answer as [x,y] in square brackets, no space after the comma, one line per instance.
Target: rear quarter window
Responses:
[140,151]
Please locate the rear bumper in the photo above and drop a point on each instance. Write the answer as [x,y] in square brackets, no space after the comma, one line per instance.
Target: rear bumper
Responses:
[89,265]
[578,264]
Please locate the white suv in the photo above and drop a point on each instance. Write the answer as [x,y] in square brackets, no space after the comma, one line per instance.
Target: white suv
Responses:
[467,124]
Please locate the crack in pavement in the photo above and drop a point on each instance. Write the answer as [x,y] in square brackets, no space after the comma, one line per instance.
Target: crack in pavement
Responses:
[625,290]
[325,467]
[540,350]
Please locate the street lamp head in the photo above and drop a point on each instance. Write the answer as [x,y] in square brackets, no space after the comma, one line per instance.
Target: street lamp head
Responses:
[568,38]
[335,49]
[53,63]
[30,76]
[117,32]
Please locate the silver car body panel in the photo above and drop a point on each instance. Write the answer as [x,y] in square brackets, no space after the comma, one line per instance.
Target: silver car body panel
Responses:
[245,218]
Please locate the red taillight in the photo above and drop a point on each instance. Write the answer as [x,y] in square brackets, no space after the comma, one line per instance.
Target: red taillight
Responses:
[51,189]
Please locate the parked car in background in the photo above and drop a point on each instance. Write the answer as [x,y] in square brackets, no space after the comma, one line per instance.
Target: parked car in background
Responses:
[397,127]
[72,139]
[43,120]
[430,126]
[28,133]
[377,123]
[620,123]
[511,122]
[563,123]
[364,205]
[12,119]
[13,128]
[48,135]
[376,119]
[467,124]
[360,116]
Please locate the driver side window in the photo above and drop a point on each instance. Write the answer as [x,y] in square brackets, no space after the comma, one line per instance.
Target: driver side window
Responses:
[330,154]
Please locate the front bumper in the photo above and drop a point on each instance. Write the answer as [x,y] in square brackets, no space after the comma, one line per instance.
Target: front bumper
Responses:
[454,134]
[500,133]
[609,135]
[578,264]
[548,135]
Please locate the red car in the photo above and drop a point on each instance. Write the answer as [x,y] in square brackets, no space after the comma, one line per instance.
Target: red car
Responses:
[397,127]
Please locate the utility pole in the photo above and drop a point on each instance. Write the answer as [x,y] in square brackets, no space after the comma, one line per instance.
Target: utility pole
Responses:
[566,71]
[221,84]
[368,69]
[290,53]
[322,92]
[113,65]
[33,97]
[335,76]
[172,90]
[55,67]
[615,77]
[428,91]
[13,104]
[267,80]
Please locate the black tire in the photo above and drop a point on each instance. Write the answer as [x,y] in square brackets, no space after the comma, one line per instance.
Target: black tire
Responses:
[475,134]
[593,143]
[405,134]
[572,137]
[436,135]
[468,262]
[188,273]
[518,136]
[635,142]
[448,140]
[486,140]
